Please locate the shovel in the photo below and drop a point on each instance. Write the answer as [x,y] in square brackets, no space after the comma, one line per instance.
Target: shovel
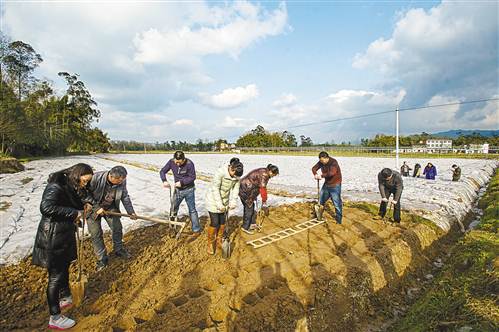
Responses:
[78,286]
[318,207]
[387,215]
[226,245]
[156,220]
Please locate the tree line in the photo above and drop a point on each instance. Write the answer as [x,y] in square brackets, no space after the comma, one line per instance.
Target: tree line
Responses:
[34,119]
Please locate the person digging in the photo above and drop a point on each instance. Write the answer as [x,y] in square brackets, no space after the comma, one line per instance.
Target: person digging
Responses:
[253,185]
[184,175]
[107,189]
[331,173]
[220,198]
[390,183]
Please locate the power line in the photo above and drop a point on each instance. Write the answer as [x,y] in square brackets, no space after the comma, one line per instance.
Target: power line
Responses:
[392,111]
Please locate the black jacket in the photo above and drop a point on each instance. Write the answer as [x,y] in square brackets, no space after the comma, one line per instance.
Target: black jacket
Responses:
[97,188]
[394,185]
[55,241]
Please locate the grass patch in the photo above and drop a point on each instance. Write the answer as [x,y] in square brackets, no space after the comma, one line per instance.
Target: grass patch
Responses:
[26,180]
[4,206]
[364,206]
[467,291]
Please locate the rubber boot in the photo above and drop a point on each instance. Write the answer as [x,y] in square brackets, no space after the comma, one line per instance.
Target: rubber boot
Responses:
[211,239]
[220,236]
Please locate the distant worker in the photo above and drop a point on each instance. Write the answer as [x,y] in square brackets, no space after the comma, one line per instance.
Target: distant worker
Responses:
[331,173]
[184,174]
[405,169]
[390,182]
[252,185]
[220,197]
[417,171]
[456,172]
[430,171]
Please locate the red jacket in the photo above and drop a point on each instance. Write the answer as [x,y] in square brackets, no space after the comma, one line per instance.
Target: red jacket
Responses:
[331,172]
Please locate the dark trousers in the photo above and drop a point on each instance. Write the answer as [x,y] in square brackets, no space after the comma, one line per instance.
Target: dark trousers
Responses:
[249,215]
[396,209]
[58,286]
[217,219]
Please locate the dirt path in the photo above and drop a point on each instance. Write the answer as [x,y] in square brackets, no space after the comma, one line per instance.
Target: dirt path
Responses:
[330,277]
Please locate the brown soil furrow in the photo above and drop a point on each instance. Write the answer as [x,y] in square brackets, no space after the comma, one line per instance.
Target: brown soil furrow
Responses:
[327,278]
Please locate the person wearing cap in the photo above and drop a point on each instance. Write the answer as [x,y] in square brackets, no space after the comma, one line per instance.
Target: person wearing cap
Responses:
[184,174]
[390,183]
[331,173]
[221,196]
[456,172]
[253,185]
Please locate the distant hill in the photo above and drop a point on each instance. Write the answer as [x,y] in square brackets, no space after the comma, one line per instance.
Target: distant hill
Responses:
[464,132]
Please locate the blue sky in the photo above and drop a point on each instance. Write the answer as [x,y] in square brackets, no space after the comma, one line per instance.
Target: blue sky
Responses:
[177,70]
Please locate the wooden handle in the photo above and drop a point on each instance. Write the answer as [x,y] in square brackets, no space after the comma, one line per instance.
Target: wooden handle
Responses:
[157,220]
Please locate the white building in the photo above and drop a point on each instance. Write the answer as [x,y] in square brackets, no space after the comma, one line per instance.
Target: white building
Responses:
[477,148]
[439,145]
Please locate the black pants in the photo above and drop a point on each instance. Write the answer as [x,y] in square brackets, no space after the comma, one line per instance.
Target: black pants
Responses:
[249,215]
[58,286]
[217,219]
[396,209]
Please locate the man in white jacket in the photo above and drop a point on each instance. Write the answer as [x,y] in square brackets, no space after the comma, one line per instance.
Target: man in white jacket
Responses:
[221,196]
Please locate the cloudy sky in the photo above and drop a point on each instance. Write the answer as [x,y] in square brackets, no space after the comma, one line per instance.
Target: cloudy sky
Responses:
[186,70]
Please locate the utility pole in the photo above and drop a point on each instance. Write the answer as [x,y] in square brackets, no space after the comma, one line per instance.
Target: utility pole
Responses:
[397,136]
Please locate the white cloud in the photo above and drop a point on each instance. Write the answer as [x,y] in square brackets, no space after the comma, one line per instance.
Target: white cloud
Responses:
[183,122]
[117,60]
[285,100]
[449,50]
[231,97]
[241,25]
[233,122]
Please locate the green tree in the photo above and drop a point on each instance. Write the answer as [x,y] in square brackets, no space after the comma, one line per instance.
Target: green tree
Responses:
[20,61]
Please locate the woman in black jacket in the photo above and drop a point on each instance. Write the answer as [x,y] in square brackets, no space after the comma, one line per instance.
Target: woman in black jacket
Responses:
[55,242]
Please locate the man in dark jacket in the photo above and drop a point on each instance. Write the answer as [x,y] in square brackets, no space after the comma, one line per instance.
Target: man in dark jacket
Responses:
[390,183]
[184,174]
[405,169]
[456,173]
[107,190]
[331,173]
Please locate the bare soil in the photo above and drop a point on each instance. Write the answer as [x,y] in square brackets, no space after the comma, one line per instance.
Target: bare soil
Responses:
[332,277]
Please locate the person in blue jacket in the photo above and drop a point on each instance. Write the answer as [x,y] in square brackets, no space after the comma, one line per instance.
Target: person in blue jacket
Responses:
[430,171]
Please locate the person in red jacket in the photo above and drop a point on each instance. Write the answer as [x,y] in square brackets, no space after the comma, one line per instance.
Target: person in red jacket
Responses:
[252,185]
[331,173]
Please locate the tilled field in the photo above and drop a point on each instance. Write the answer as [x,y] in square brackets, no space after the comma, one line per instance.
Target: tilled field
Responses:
[328,278]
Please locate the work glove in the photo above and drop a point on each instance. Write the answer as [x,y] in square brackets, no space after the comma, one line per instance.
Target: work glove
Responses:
[87,207]
[265,210]
[166,184]
[317,176]
[178,184]
[78,218]
[394,202]
[133,216]
[384,199]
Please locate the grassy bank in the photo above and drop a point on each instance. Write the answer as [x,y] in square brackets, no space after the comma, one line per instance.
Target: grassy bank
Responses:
[466,293]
